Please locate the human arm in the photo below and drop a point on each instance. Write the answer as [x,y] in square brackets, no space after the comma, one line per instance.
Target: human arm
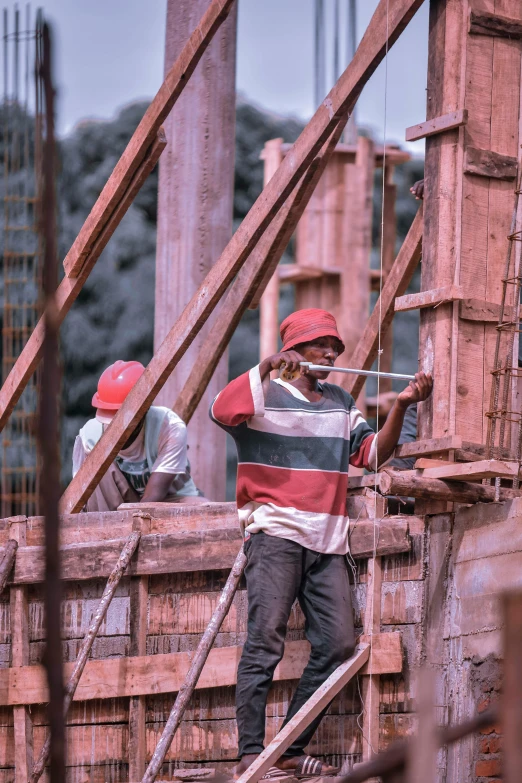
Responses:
[416,391]
[158,487]
[418,189]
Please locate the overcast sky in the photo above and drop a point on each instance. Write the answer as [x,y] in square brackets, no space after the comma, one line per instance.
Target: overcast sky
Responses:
[110,52]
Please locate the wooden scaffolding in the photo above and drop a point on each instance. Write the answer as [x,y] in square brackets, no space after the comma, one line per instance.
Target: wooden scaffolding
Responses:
[416,592]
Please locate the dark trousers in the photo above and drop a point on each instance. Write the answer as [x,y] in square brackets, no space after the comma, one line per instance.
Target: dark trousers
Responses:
[277,572]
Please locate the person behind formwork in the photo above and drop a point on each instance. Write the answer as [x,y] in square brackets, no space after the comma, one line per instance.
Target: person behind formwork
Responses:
[152,466]
[295,441]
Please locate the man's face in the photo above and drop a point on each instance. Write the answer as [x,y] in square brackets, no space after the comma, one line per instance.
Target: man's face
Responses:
[323,350]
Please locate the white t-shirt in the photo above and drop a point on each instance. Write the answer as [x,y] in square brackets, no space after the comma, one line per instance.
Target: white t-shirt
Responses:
[132,461]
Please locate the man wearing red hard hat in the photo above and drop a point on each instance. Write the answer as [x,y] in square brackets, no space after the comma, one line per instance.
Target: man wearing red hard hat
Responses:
[295,441]
[152,465]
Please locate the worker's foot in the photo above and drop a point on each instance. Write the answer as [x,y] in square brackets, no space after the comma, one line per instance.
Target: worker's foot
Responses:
[303,767]
[274,773]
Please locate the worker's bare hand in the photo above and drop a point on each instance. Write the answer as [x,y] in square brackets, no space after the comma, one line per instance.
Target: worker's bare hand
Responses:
[417,390]
[291,360]
[418,189]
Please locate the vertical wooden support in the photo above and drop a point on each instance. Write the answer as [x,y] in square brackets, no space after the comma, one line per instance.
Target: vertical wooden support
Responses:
[195,204]
[269,305]
[23,727]
[467,216]
[355,259]
[371,682]
[389,238]
[138,599]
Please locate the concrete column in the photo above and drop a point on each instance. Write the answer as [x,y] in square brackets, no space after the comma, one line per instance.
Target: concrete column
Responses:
[196,185]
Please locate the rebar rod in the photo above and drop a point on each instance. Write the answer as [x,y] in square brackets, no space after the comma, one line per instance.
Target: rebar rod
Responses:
[196,667]
[370,373]
[83,656]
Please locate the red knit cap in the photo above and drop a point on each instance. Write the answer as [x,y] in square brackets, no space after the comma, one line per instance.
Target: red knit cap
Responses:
[304,326]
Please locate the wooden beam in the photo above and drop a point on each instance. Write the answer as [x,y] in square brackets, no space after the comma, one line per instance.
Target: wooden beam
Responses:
[310,710]
[138,610]
[437,125]
[165,673]
[144,135]
[486,163]
[408,483]
[371,683]
[395,155]
[396,284]
[385,27]
[8,560]
[479,310]
[245,290]
[69,288]
[23,725]
[184,550]
[298,273]
[483,23]
[472,471]
[432,298]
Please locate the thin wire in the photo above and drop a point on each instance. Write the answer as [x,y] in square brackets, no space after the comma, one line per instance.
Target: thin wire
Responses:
[376,524]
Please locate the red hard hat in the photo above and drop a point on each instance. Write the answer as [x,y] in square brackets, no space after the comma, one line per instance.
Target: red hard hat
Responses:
[115,383]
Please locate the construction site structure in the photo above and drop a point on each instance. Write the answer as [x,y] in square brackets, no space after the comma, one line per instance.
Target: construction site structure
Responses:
[154,614]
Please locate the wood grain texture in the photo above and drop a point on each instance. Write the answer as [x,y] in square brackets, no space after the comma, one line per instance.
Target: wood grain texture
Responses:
[156,114]
[437,125]
[69,288]
[486,163]
[408,483]
[166,673]
[182,552]
[497,25]
[479,310]
[431,298]
[381,33]
[487,468]
[195,207]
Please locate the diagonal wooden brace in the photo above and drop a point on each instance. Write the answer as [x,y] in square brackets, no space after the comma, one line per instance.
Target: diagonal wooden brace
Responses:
[69,288]
[387,23]
[308,712]
[110,588]
[252,280]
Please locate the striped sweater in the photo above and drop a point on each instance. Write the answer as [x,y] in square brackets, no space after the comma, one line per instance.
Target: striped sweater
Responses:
[293,458]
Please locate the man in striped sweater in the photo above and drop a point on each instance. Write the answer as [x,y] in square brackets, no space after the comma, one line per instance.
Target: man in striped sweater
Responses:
[295,442]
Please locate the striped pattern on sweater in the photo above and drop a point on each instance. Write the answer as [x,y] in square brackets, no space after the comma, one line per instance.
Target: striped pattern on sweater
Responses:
[293,458]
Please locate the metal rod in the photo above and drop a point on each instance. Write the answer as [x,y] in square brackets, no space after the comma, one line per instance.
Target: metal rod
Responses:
[371,373]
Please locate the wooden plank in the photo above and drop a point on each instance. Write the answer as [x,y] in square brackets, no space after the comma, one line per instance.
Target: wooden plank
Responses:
[23,727]
[69,288]
[298,273]
[479,310]
[470,471]
[141,139]
[432,298]
[496,25]
[183,551]
[420,448]
[395,155]
[396,284]
[486,163]
[437,125]
[383,30]
[310,710]
[389,241]
[165,673]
